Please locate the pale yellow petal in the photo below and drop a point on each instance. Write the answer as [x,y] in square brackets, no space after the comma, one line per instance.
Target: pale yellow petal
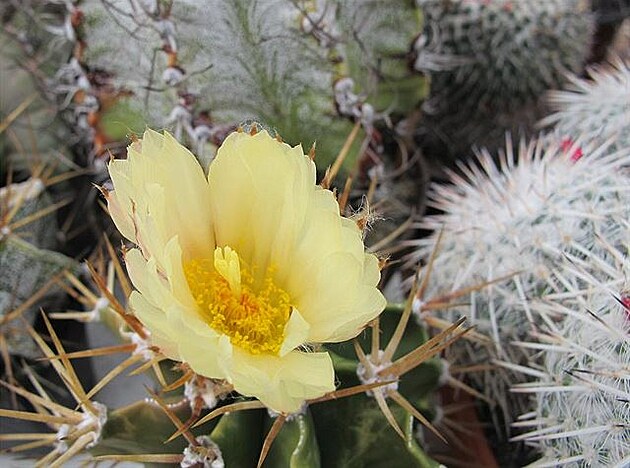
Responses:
[208,353]
[120,212]
[259,211]
[155,320]
[296,332]
[260,190]
[349,302]
[283,384]
[295,227]
[167,291]
[174,270]
[210,357]
[162,191]
[145,277]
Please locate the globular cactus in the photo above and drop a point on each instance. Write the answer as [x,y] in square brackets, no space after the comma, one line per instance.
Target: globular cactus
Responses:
[27,200]
[490,62]
[27,232]
[510,224]
[582,380]
[596,107]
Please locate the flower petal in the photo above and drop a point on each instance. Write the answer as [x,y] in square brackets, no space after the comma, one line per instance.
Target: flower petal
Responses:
[176,329]
[155,320]
[283,384]
[260,192]
[160,191]
[260,199]
[294,227]
[349,302]
[208,357]
[296,332]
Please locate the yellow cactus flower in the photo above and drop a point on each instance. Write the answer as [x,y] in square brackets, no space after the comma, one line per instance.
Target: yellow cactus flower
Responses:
[237,274]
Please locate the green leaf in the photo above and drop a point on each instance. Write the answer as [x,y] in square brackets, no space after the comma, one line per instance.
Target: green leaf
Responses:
[296,444]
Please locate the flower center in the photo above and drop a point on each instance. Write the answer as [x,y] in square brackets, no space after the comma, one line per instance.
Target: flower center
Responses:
[252,315]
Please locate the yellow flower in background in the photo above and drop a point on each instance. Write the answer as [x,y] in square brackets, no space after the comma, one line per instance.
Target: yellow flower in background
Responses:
[237,273]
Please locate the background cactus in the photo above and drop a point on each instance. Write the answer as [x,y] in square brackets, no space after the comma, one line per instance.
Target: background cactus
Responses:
[610,16]
[306,68]
[491,61]
[581,416]
[24,113]
[517,219]
[596,107]
[310,69]
[28,231]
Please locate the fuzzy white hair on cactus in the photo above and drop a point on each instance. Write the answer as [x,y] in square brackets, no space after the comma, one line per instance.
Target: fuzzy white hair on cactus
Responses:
[517,218]
[582,387]
[597,107]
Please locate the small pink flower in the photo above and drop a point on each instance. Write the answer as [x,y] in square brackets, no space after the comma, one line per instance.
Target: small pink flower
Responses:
[625,302]
[566,146]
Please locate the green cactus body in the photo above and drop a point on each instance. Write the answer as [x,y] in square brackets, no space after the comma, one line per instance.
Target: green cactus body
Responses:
[345,432]
[259,60]
[359,441]
[23,144]
[374,54]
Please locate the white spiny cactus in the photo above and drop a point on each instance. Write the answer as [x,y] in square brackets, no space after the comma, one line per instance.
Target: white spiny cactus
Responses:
[519,218]
[597,107]
[582,387]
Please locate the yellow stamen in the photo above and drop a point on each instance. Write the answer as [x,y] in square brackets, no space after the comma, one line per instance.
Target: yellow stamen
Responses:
[252,315]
